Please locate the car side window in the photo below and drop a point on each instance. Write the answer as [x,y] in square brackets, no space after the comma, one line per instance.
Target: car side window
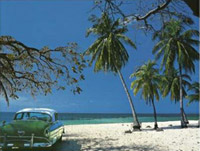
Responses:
[26,116]
[18,116]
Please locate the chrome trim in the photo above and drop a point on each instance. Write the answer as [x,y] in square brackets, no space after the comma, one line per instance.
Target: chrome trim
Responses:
[28,141]
[10,145]
[42,145]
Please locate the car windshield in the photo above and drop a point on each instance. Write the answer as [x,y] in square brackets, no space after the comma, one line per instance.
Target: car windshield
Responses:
[33,116]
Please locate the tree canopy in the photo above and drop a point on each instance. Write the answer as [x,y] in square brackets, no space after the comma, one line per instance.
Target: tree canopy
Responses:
[171,85]
[177,44]
[148,15]
[108,50]
[25,68]
[147,80]
[194,96]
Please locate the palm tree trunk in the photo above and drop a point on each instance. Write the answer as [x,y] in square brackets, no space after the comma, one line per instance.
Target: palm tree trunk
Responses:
[136,124]
[183,120]
[185,117]
[155,115]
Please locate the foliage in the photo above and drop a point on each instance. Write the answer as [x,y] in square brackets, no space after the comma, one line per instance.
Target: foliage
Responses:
[108,50]
[177,44]
[24,68]
[171,85]
[196,92]
[147,80]
[146,15]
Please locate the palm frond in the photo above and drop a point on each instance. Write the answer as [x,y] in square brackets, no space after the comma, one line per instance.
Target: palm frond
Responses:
[126,40]
[195,96]
[190,33]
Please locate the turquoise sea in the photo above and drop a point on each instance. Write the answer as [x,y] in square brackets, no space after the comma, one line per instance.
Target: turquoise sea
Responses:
[94,118]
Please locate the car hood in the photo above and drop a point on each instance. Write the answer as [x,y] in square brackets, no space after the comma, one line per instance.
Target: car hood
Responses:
[25,128]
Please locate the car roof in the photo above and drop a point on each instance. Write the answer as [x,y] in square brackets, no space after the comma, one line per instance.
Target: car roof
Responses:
[41,110]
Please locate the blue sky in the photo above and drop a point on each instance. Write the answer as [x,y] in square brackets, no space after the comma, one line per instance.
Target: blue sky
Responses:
[55,23]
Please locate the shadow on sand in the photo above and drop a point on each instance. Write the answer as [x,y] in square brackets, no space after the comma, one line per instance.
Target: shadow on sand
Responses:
[74,145]
[97,144]
[170,127]
[73,142]
[69,145]
[179,127]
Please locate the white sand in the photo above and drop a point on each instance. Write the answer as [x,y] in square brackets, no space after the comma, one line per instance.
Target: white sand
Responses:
[105,137]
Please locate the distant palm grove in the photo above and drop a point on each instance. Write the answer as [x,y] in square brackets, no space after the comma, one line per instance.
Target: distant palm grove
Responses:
[176,47]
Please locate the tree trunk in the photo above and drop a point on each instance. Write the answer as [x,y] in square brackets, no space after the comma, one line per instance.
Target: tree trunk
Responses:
[155,115]
[185,117]
[136,124]
[183,120]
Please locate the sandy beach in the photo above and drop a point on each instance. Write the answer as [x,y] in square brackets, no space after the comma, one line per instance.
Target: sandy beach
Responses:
[104,137]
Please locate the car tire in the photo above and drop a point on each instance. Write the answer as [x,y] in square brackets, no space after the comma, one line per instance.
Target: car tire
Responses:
[60,139]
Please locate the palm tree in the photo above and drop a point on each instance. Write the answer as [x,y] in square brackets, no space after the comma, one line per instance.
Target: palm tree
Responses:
[196,92]
[195,87]
[171,85]
[177,45]
[148,80]
[109,53]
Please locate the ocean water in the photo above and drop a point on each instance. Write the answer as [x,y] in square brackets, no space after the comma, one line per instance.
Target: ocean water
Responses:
[88,118]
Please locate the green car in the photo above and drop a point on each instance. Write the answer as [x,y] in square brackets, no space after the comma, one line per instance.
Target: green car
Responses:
[31,128]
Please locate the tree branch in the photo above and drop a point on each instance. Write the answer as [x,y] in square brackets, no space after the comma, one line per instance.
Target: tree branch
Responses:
[154,11]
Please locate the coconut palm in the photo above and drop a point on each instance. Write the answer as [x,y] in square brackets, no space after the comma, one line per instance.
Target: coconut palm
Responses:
[194,97]
[196,91]
[177,45]
[171,85]
[147,80]
[109,53]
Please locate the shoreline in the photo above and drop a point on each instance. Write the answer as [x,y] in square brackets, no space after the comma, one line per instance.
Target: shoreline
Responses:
[87,118]
[104,137]
[194,123]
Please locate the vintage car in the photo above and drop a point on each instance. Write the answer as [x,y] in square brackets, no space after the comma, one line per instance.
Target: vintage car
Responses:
[31,128]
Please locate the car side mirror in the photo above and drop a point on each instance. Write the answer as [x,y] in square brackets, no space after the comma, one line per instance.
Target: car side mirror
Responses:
[4,123]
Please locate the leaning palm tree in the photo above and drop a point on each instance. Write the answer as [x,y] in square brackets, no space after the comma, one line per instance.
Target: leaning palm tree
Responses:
[109,53]
[195,88]
[177,45]
[171,85]
[147,80]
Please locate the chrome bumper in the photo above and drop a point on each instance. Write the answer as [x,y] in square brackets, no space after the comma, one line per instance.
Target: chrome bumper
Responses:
[15,142]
